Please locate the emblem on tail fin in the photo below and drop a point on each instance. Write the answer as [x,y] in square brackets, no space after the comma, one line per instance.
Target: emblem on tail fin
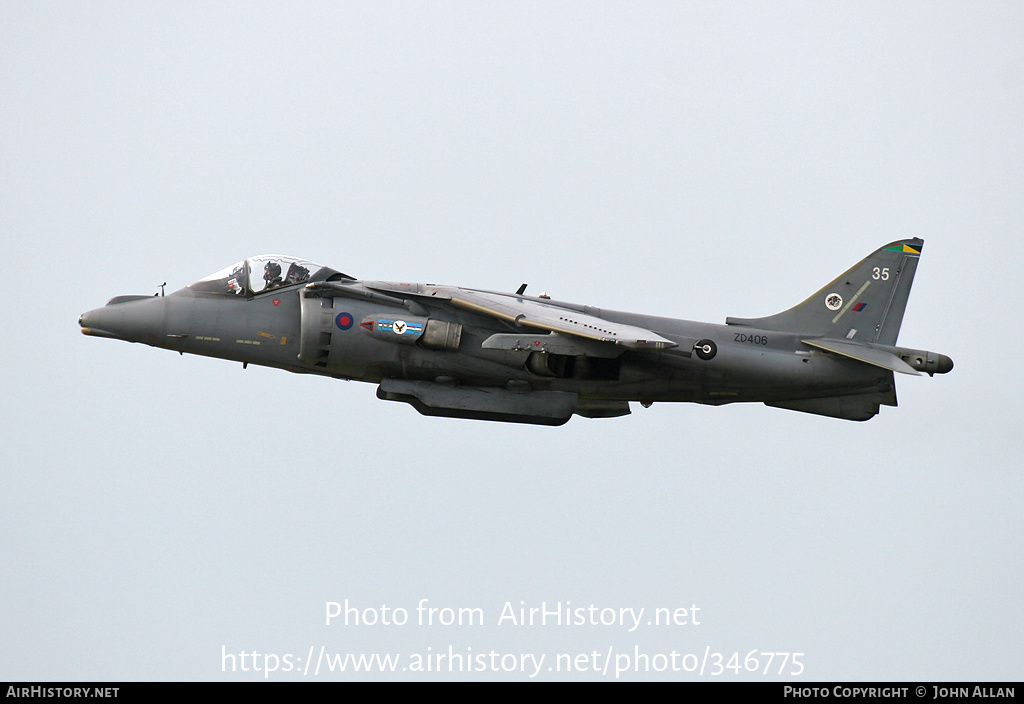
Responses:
[876,288]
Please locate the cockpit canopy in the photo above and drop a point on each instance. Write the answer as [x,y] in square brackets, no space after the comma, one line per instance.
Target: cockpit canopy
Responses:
[256,275]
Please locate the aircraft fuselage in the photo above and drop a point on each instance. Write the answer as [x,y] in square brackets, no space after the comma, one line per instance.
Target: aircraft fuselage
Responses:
[460,352]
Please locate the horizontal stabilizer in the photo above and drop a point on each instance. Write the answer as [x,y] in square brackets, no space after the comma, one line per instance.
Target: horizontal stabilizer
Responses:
[863,353]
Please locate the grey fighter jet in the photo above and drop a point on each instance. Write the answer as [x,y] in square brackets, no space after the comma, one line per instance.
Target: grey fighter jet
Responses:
[467,353]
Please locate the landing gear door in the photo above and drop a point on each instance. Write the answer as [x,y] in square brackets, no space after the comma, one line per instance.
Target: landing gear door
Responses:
[317,329]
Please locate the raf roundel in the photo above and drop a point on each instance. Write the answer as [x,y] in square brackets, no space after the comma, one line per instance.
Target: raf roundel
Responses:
[344,321]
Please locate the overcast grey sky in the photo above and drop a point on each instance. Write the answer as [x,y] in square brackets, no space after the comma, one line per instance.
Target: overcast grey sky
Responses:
[688,159]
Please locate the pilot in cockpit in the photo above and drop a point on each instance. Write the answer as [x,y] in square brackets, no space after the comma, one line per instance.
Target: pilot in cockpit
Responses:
[296,273]
[236,281]
[272,275]
[242,279]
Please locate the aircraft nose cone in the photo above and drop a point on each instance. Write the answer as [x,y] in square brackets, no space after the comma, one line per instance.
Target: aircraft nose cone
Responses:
[90,322]
[139,320]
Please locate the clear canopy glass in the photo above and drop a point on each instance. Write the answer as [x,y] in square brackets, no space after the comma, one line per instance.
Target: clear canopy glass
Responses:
[263,273]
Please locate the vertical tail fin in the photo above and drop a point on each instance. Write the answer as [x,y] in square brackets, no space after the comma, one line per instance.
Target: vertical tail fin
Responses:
[866,303]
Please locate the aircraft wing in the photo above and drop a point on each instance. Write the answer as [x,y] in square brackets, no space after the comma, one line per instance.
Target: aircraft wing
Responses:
[532,313]
[525,312]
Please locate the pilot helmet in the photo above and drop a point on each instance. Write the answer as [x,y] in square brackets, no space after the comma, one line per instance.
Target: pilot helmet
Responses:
[271,271]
